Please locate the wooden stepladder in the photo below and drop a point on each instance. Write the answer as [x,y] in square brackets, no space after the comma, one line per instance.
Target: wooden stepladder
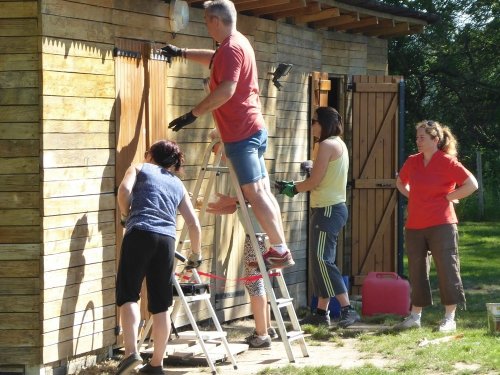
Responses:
[284,301]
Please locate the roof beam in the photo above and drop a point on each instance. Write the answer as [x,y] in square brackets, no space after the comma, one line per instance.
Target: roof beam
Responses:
[310,8]
[257,4]
[368,21]
[332,22]
[292,5]
[369,12]
[402,27]
[322,15]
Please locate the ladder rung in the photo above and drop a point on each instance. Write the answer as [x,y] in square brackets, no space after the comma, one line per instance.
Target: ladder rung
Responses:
[198,297]
[217,169]
[294,335]
[204,335]
[283,302]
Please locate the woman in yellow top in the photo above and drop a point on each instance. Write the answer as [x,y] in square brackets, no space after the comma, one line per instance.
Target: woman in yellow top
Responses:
[327,184]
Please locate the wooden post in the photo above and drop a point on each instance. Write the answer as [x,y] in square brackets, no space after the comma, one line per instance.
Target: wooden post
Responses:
[480,195]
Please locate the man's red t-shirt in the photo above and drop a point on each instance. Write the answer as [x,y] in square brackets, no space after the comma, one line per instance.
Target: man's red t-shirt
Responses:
[240,116]
[429,185]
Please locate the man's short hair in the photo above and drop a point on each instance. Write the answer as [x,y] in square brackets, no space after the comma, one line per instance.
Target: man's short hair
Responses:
[223,9]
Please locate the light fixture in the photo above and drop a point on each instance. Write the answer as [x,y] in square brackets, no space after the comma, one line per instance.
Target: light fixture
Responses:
[282,70]
[178,15]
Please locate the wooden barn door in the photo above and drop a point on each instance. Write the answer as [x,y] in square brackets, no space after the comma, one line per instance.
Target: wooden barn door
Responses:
[374,166]
[139,113]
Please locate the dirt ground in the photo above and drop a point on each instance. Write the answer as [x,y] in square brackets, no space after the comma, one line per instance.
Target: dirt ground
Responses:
[342,354]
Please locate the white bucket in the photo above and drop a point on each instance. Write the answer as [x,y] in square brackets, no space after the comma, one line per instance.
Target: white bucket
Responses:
[493,310]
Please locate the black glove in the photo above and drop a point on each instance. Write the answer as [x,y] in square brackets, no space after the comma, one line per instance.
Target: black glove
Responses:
[306,167]
[170,51]
[123,220]
[193,261]
[182,121]
[286,187]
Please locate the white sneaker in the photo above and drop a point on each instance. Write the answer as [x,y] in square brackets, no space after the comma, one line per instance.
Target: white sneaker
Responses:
[410,321]
[447,325]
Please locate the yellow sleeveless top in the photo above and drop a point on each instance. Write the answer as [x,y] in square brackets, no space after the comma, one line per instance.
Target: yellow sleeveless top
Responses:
[332,189]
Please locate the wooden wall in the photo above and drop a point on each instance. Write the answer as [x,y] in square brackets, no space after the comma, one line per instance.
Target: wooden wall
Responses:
[58,149]
[20,196]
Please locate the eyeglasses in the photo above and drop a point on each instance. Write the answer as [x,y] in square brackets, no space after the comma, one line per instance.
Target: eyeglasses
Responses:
[430,123]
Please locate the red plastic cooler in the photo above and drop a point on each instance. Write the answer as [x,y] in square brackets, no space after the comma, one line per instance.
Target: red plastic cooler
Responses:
[385,293]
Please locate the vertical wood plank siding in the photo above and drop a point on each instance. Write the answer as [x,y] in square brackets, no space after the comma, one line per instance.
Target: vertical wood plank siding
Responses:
[59,147]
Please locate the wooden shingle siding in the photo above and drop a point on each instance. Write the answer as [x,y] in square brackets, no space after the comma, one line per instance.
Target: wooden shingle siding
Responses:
[20,233]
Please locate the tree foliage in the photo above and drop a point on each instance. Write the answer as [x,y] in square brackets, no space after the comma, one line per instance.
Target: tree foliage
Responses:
[452,74]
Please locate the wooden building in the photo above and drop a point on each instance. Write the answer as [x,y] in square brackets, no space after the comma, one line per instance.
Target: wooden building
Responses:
[83,95]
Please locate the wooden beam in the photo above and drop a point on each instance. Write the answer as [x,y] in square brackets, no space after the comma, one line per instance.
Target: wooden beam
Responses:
[369,21]
[292,5]
[414,29]
[258,4]
[383,23]
[336,21]
[346,8]
[310,8]
[402,27]
[322,15]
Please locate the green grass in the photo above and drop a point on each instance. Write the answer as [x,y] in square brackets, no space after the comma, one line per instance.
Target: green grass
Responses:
[477,351]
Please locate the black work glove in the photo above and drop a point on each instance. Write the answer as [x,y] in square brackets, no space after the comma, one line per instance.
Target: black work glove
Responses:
[193,260]
[306,167]
[170,51]
[287,188]
[182,121]
[123,220]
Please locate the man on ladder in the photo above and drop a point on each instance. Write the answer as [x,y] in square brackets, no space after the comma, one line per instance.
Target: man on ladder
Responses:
[235,104]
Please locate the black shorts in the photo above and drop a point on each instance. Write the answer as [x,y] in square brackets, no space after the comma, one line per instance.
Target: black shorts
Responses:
[150,255]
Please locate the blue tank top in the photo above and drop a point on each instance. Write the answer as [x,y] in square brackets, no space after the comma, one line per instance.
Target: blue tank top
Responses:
[155,197]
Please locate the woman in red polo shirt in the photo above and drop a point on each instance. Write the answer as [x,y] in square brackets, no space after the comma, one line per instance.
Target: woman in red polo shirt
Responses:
[433,180]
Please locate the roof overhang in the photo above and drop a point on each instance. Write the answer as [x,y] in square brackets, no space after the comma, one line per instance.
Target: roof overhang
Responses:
[367,17]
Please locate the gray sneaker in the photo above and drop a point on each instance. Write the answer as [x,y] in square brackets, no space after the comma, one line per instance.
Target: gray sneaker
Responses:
[317,320]
[348,316]
[272,333]
[127,364]
[410,321]
[255,342]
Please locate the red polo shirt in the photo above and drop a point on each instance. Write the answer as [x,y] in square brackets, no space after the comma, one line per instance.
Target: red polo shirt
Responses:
[429,185]
[240,116]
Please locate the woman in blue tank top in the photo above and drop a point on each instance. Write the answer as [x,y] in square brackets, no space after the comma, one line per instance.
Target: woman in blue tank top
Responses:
[149,196]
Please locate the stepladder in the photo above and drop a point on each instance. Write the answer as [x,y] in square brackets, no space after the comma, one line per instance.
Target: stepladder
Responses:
[184,295]
[279,297]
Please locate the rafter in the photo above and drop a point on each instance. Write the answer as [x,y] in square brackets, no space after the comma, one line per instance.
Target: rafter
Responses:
[368,21]
[292,5]
[347,18]
[310,8]
[386,30]
[322,15]
[258,4]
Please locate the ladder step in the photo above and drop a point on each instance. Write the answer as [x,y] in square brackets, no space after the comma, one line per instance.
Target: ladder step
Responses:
[199,297]
[204,335]
[217,169]
[294,335]
[284,302]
